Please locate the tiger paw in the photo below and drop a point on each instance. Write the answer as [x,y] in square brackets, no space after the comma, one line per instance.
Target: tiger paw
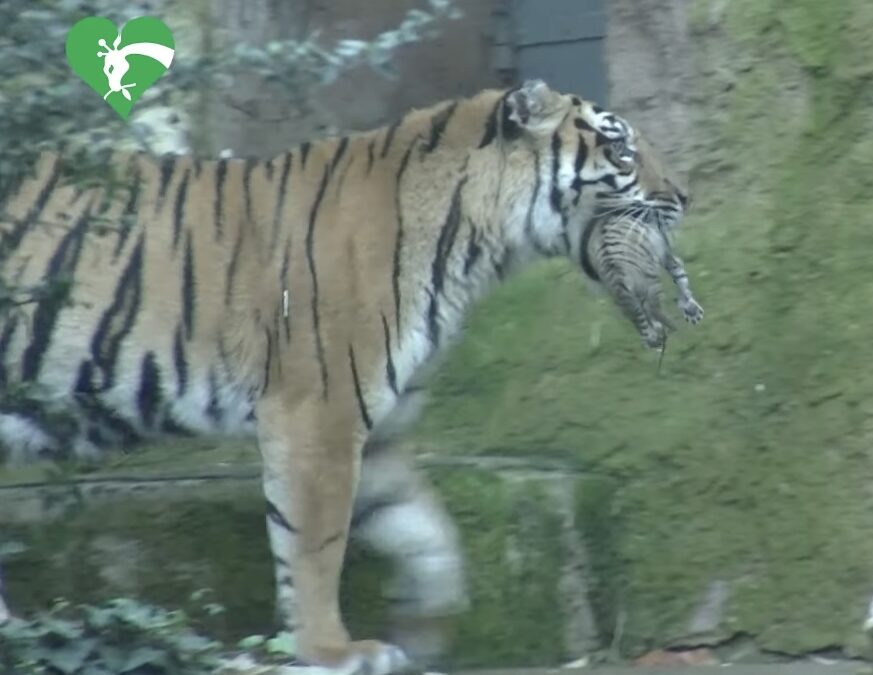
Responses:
[363,657]
[690,309]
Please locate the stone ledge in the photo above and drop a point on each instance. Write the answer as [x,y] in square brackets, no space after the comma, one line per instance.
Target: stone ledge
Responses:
[157,531]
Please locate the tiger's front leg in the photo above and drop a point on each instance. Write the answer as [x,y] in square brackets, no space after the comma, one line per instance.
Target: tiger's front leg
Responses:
[311,467]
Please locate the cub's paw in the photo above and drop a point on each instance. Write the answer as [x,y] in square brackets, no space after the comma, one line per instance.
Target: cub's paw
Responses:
[691,310]
[364,657]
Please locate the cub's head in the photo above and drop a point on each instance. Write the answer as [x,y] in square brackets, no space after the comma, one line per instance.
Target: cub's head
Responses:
[590,161]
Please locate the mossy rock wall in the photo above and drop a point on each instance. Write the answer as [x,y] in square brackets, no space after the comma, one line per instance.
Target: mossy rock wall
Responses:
[744,467]
[157,531]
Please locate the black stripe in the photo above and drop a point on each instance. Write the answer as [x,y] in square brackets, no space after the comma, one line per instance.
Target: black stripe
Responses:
[310,241]
[85,379]
[5,340]
[220,177]
[10,240]
[128,215]
[331,539]
[167,168]
[581,155]
[180,361]
[59,274]
[398,244]
[105,420]
[389,137]
[117,321]
[340,151]
[556,165]
[107,429]
[342,177]
[510,129]
[213,408]
[276,517]
[247,186]
[232,268]
[170,426]
[627,188]
[268,361]
[583,125]
[304,153]
[438,126]
[389,367]
[555,196]
[584,255]
[491,124]
[362,404]
[578,165]
[370,155]
[179,208]
[268,170]
[474,251]
[445,243]
[363,514]
[149,395]
[198,168]
[286,262]
[188,301]
[280,199]
[609,179]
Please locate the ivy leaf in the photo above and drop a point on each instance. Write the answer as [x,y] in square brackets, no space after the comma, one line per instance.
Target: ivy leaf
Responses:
[145,656]
[251,641]
[283,643]
[69,658]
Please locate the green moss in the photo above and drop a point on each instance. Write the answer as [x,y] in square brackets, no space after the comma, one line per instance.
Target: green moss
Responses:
[601,528]
[510,533]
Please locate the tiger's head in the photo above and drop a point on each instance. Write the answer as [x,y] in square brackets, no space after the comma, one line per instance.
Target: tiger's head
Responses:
[589,162]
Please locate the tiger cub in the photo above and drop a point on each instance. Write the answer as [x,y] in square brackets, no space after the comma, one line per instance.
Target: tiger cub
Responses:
[626,254]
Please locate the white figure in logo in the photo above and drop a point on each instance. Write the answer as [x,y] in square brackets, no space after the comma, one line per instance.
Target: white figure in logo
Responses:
[115,65]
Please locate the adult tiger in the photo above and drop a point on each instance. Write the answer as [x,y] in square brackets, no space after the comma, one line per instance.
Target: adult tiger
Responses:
[298,299]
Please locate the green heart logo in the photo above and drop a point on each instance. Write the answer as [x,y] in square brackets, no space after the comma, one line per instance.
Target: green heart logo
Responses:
[120,65]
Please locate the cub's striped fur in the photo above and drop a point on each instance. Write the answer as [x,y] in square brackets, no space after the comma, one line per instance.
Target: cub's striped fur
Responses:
[298,299]
[627,255]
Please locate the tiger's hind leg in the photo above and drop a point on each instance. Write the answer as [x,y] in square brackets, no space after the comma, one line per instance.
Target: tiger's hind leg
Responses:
[311,466]
[641,306]
[398,515]
[688,305]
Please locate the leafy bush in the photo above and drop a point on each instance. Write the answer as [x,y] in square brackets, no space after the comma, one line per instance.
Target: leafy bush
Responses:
[124,637]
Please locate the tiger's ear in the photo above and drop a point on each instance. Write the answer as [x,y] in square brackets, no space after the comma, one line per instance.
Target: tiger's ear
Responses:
[533,106]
